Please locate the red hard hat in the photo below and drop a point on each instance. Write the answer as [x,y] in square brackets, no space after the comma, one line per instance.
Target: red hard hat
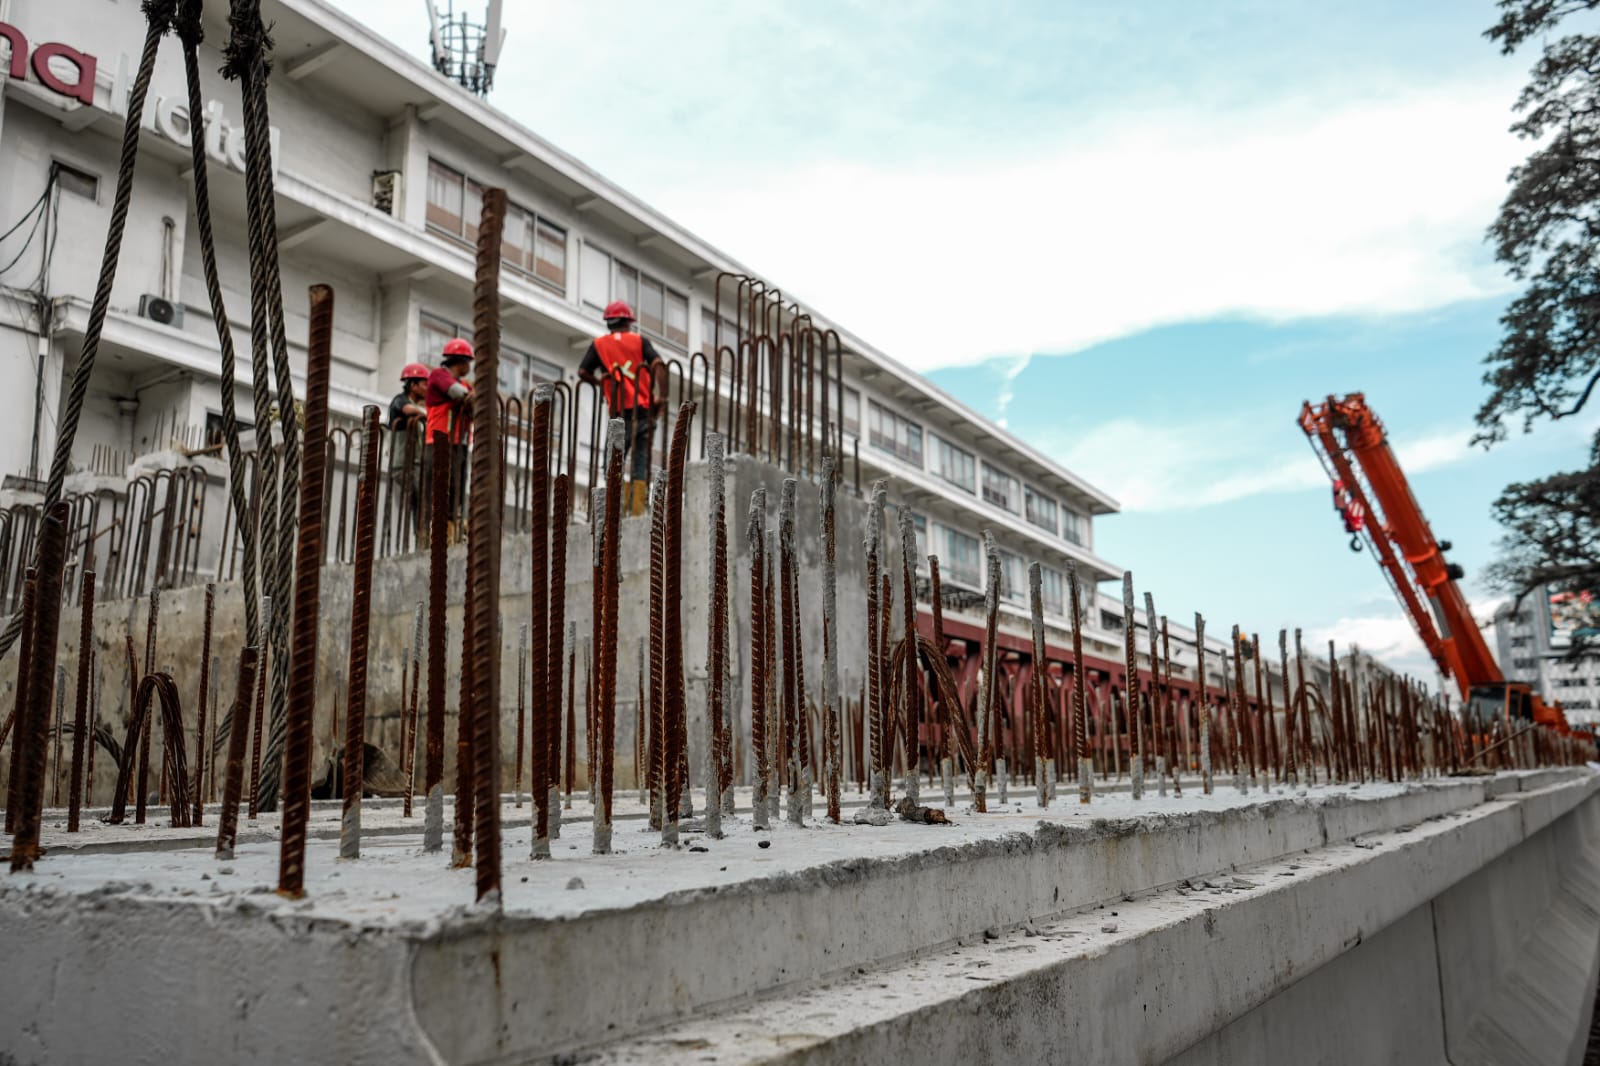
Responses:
[414,371]
[457,346]
[618,309]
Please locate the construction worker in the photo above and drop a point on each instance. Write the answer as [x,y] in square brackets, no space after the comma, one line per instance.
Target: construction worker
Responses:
[619,362]
[449,411]
[408,416]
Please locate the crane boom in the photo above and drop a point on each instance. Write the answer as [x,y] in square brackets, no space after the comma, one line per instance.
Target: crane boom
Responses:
[1375,499]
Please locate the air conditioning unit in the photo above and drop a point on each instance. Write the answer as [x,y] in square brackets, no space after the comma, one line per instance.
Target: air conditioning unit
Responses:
[386,191]
[161,311]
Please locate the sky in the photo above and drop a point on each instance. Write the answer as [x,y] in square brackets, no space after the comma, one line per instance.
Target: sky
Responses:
[1139,235]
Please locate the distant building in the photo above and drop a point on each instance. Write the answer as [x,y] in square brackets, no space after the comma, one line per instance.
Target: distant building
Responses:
[1533,641]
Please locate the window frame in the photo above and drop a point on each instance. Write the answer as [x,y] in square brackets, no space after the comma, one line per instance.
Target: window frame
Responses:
[943,445]
[1016,488]
[889,443]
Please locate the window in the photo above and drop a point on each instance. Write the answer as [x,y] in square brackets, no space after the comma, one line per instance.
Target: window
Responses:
[1053,590]
[955,465]
[961,557]
[1000,489]
[851,419]
[520,372]
[432,334]
[78,182]
[1013,578]
[898,436]
[1072,526]
[1040,510]
[529,245]
[594,276]
[444,198]
[663,313]
[1110,621]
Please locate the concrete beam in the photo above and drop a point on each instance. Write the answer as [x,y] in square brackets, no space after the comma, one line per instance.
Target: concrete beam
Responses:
[308,64]
[295,236]
[431,110]
[586,203]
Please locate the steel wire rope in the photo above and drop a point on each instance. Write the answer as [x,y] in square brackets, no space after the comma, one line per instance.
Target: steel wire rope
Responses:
[246,62]
[159,16]
[191,33]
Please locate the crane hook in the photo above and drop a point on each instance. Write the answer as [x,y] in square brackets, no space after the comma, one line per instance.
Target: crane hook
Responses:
[1355,542]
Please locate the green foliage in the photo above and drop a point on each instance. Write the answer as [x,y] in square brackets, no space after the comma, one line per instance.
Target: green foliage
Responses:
[1547,364]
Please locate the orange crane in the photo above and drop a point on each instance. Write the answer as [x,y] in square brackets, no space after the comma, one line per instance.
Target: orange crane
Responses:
[1373,498]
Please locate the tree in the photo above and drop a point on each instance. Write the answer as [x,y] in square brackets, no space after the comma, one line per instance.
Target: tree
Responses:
[1547,234]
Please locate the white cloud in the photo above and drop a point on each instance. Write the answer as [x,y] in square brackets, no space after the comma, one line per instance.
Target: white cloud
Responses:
[1392,639]
[1291,210]
[1163,467]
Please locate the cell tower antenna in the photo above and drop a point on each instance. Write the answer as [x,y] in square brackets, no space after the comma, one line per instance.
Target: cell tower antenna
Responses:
[465,51]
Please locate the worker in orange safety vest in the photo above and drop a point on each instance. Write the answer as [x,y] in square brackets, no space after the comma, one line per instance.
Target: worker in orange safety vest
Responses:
[620,362]
[450,412]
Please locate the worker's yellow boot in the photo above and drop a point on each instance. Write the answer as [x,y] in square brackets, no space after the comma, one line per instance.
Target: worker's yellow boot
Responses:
[638,498]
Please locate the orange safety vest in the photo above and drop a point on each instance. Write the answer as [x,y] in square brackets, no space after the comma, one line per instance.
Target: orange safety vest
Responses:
[452,419]
[627,380]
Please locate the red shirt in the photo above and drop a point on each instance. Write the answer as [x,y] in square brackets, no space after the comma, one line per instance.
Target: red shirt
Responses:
[443,412]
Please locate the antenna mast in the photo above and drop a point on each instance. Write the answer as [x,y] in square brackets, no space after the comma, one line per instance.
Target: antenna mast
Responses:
[465,51]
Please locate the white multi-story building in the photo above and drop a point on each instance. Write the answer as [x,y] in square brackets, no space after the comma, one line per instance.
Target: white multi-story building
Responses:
[1533,642]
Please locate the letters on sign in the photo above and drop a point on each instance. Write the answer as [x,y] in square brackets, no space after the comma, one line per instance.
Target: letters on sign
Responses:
[38,59]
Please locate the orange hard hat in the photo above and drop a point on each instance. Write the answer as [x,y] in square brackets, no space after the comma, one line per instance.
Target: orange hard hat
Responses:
[617,309]
[457,348]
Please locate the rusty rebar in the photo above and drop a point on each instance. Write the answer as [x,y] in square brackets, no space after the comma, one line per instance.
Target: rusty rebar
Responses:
[886,674]
[200,760]
[606,665]
[483,548]
[597,611]
[438,588]
[307,599]
[756,536]
[572,710]
[33,722]
[1080,707]
[1130,688]
[18,718]
[1291,771]
[546,588]
[946,714]
[408,723]
[1036,678]
[1203,703]
[1171,703]
[57,732]
[789,696]
[1303,700]
[238,736]
[911,703]
[676,698]
[522,713]
[876,697]
[151,620]
[81,708]
[355,725]
[830,645]
[716,631]
[1157,700]
[988,681]
[560,509]
[656,748]
[466,782]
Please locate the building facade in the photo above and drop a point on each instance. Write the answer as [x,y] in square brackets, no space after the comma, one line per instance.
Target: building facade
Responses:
[1533,641]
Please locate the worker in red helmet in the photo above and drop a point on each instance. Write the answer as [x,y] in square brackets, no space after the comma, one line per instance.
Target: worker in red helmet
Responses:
[409,407]
[408,415]
[449,412]
[620,361]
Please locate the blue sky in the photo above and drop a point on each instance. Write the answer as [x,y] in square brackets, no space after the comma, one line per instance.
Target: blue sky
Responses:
[1141,234]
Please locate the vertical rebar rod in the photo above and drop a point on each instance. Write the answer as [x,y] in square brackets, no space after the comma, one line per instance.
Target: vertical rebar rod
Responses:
[1236,735]
[885,660]
[946,713]
[19,710]
[1202,703]
[1291,771]
[438,590]
[676,697]
[572,710]
[408,723]
[875,695]
[1080,708]
[717,622]
[1041,779]
[522,713]
[466,782]
[558,650]
[658,746]
[830,643]
[259,707]
[355,725]
[80,717]
[790,696]
[58,732]
[238,736]
[34,721]
[911,702]
[991,658]
[1157,696]
[756,537]
[545,588]
[1179,761]
[200,760]
[151,621]
[606,665]
[1130,688]
[483,547]
[307,597]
